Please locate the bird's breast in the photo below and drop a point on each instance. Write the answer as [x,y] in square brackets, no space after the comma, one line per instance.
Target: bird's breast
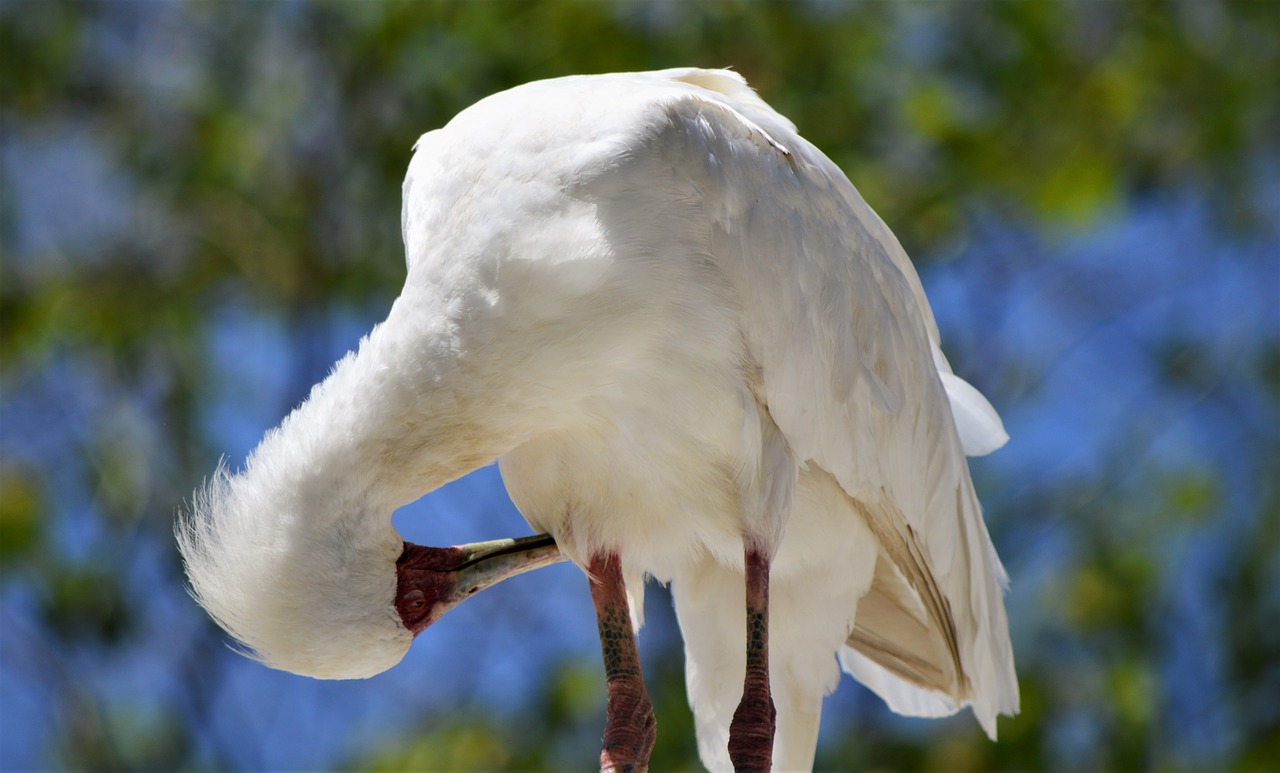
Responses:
[650,468]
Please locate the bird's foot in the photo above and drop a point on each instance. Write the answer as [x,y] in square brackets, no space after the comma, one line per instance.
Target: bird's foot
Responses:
[630,732]
[751,732]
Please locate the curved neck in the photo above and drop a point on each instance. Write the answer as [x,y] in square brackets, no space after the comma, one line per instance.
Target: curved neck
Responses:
[413,409]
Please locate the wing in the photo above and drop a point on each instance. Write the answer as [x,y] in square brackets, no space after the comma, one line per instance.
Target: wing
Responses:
[848,351]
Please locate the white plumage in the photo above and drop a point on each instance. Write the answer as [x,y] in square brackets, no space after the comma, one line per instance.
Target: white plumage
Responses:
[676,325]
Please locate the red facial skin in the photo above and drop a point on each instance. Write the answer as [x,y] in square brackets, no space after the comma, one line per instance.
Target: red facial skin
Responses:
[425,577]
[431,581]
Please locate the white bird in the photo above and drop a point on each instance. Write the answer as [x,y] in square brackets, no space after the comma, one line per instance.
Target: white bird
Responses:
[698,356]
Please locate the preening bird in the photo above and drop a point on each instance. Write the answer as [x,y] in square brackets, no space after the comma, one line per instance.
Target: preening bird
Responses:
[698,356]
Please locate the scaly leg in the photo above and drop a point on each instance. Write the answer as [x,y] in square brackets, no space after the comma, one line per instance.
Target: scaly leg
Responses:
[630,727]
[752,729]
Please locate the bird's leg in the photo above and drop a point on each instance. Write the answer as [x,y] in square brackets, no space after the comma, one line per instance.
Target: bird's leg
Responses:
[630,727]
[751,732]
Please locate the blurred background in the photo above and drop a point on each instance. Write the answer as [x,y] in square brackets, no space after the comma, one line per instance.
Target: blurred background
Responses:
[199,213]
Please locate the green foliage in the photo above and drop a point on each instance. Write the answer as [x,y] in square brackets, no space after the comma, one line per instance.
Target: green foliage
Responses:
[568,718]
[19,513]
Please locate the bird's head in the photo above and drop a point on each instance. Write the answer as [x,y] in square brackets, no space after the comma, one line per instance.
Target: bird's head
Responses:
[332,597]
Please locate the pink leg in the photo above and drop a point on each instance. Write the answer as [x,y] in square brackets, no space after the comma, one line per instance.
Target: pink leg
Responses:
[751,732]
[630,727]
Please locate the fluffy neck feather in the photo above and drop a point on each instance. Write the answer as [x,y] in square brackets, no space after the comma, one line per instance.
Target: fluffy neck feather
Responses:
[415,408]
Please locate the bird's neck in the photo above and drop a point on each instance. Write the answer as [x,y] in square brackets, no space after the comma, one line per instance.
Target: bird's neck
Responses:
[416,407]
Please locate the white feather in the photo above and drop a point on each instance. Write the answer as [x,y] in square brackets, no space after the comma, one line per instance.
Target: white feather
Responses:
[980,428]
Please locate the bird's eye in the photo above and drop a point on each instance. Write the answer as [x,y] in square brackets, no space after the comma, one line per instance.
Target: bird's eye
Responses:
[416,599]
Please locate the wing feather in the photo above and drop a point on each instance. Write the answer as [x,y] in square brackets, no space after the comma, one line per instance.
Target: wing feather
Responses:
[853,376]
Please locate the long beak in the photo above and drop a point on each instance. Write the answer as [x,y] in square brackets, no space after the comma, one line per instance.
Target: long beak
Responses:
[489,563]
